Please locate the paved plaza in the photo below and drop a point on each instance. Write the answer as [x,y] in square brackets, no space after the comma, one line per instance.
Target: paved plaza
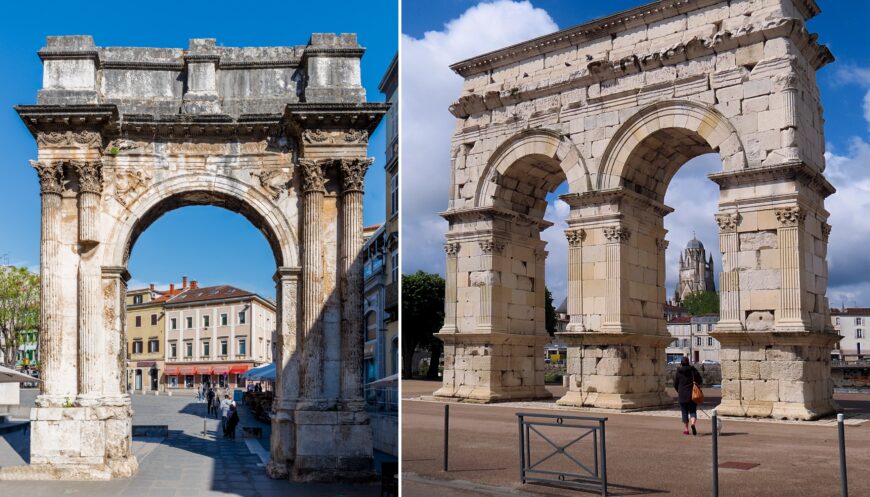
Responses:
[188,463]
[646,451]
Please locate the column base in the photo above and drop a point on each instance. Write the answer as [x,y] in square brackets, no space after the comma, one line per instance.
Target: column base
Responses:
[282,445]
[333,446]
[777,410]
[492,367]
[621,371]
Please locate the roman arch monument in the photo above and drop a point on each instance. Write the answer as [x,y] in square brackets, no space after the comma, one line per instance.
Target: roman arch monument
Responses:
[614,108]
[278,134]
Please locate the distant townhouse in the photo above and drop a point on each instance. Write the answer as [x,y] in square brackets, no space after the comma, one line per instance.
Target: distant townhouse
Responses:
[691,338]
[28,350]
[852,324]
[145,336]
[214,334]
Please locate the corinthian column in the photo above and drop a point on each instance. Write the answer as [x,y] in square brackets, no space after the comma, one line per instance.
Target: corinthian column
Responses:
[91,336]
[575,279]
[729,284]
[313,190]
[353,173]
[487,279]
[55,385]
[617,238]
[790,315]
[114,378]
[450,297]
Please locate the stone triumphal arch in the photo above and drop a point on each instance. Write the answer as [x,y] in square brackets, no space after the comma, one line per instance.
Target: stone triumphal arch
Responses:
[278,134]
[614,108]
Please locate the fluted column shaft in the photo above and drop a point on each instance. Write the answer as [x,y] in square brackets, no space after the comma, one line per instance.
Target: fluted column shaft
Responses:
[729,284]
[353,174]
[575,279]
[450,297]
[55,386]
[92,340]
[617,238]
[114,378]
[313,189]
[486,280]
[790,308]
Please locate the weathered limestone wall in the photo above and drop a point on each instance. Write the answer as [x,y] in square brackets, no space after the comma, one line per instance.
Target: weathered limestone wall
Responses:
[615,107]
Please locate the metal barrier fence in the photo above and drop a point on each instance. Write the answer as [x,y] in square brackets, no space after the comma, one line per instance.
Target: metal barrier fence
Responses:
[587,477]
[383,399]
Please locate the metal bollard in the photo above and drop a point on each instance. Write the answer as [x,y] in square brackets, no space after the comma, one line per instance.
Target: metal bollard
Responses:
[446,431]
[844,485]
[715,455]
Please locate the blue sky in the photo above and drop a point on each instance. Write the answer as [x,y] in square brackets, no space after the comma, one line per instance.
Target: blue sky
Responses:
[436,34]
[205,243]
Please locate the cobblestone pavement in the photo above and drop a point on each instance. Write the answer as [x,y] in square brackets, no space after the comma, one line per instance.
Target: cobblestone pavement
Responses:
[189,463]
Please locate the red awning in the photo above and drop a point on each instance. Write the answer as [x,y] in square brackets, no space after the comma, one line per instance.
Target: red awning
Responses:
[239,368]
[206,370]
[171,371]
[188,370]
[220,369]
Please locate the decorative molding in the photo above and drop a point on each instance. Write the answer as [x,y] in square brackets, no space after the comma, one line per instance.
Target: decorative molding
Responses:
[452,248]
[540,254]
[728,222]
[318,136]
[488,247]
[360,136]
[81,138]
[790,216]
[662,244]
[90,175]
[575,237]
[128,182]
[273,181]
[617,234]
[313,175]
[50,176]
[826,231]
[353,172]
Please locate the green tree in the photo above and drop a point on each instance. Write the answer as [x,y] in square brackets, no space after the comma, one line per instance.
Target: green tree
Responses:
[19,309]
[422,316]
[699,303]
[550,316]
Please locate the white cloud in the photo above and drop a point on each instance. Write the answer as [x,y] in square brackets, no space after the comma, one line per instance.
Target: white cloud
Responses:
[428,89]
[557,245]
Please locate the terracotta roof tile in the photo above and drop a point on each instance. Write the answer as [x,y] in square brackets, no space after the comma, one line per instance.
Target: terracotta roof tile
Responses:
[203,294]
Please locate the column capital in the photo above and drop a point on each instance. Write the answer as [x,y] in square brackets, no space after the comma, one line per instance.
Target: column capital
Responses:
[313,175]
[728,222]
[90,175]
[287,272]
[353,172]
[826,231]
[116,272]
[617,234]
[575,237]
[790,216]
[662,244]
[488,247]
[452,248]
[50,176]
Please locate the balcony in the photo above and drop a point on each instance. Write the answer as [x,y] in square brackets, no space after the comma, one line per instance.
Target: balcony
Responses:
[373,267]
[391,299]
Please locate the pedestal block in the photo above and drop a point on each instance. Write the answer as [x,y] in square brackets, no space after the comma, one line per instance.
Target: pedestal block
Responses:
[349,458]
[784,375]
[282,444]
[615,370]
[492,367]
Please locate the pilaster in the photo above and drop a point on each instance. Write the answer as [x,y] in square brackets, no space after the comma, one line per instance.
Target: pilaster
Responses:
[729,278]
[575,278]
[790,316]
[617,240]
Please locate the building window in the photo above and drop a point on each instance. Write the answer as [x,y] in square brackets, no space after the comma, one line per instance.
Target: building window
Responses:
[394,269]
[371,326]
[137,299]
[859,321]
[223,347]
[709,341]
[188,349]
[138,321]
[685,342]
[698,341]
[206,321]
[242,316]
[394,195]
[206,346]
[154,320]
[173,350]
[243,347]
[153,345]
[268,349]
[859,333]
[189,320]
[173,324]
[224,319]
[838,321]
[137,346]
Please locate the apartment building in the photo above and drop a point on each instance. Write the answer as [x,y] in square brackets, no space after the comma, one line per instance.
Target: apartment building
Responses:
[852,324]
[692,339]
[145,336]
[214,334]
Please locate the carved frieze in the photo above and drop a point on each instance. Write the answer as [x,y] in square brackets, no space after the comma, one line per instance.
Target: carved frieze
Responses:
[313,174]
[790,216]
[575,237]
[451,249]
[273,181]
[360,136]
[69,139]
[488,247]
[128,183]
[353,172]
[728,222]
[324,137]
[90,175]
[50,176]
[616,234]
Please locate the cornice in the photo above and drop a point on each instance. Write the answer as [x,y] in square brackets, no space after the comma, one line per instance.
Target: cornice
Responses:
[362,116]
[486,213]
[614,195]
[39,118]
[788,171]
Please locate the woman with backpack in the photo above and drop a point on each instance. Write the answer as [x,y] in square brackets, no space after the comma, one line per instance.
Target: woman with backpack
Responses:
[232,421]
[687,383]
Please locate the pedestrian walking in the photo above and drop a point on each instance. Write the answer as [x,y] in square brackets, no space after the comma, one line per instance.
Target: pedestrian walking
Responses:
[232,421]
[216,403]
[225,412]
[685,380]
[210,399]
